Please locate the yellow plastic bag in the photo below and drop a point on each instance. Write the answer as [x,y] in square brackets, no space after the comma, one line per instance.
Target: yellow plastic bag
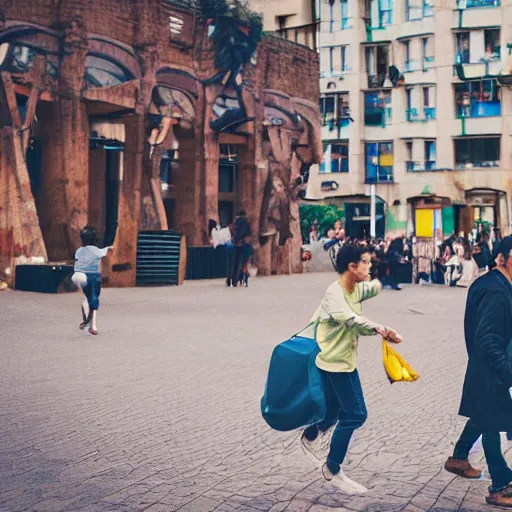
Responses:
[397,368]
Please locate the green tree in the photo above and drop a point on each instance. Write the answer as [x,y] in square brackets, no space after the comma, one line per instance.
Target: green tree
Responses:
[326,215]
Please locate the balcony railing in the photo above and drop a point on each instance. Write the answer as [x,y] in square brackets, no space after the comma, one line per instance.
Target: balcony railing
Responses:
[464,58]
[335,73]
[468,4]
[479,109]
[376,81]
[485,164]
[303,34]
[383,175]
[428,165]
[414,114]
[332,124]
[428,62]
[377,116]
[412,65]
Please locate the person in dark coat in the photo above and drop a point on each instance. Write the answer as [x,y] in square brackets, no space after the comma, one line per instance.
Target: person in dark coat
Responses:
[486,396]
[241,238]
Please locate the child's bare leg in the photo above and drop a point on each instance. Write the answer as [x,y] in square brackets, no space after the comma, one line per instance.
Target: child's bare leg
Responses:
[93,329]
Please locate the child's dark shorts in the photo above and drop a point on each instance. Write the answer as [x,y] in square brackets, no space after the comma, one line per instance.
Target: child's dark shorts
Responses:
[92,290]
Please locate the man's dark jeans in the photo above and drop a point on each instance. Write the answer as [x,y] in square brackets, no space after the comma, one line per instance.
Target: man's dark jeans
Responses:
[501,474]
[345,405]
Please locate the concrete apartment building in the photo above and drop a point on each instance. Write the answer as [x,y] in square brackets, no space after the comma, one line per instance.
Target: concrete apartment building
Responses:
[416,98]
[296,20]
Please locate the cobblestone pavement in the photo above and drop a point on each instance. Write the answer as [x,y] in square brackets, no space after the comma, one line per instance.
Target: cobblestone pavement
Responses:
[160,412]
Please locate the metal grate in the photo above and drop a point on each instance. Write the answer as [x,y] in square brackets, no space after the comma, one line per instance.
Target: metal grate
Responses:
[158,257]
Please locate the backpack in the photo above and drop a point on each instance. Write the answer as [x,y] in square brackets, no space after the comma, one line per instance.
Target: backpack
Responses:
[294,394]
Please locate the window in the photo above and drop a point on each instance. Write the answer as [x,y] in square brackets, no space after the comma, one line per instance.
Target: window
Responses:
[343,58]
[339,60]
[409,162]
[377,108]
[478,46]
[228,152]
[379,162]
[462,43]
[386,12]
[344,14]
[377,64]
[331,16]
[492,44]
[428,8]
[102,72]
[406,46]
[413,10]
[427,52]
[335,157]
[468,4]
[418,9]
[380,13]
[318,12]
[175,25]
[430,155]
[477,152]
[429,105]
[420,103]
[481,98]
[281,22]
[334,109]
[228,171]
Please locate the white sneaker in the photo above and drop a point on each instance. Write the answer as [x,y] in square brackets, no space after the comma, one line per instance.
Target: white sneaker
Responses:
[317,449]
[343,482]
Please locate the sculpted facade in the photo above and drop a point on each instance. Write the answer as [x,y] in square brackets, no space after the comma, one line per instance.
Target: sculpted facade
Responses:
[137,126]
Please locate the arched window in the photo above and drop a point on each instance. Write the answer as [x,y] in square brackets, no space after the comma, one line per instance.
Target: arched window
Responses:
[103,72]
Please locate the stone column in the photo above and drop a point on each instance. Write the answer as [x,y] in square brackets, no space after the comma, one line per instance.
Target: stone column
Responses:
[123,261]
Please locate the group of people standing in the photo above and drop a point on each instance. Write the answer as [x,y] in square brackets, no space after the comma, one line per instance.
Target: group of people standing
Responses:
[487,392]
[459,260]
[237,239]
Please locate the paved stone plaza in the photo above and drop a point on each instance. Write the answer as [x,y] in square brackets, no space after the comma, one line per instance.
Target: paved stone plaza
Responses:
[160,412]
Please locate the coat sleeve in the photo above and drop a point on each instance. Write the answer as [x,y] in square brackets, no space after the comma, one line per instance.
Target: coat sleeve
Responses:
[490,342]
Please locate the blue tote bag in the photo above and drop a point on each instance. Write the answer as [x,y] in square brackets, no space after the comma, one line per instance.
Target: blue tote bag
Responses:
[294,393]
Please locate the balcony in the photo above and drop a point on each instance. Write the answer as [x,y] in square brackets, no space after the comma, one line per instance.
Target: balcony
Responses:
[476,99]
[480,152]
[469,4]
[377,116]
[479,109]
[379,162]
[305,35]
[412,65]
[414,114]
[426,166]
[382,175]
[482,164]
[376,81]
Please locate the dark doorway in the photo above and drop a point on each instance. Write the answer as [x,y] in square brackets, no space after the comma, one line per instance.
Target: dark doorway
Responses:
[112,177]
[226,213]
[228,183]
[357,220]
[105,161]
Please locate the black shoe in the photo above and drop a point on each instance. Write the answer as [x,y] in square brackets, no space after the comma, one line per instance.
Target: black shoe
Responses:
[396,288]
[228,282]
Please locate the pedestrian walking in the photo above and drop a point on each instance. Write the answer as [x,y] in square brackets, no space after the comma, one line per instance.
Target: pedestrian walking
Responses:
[241,237]
[339,324]
[87,276]
[486,396]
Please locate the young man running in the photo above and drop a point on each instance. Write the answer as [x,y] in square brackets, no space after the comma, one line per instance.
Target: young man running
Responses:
[338,326]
